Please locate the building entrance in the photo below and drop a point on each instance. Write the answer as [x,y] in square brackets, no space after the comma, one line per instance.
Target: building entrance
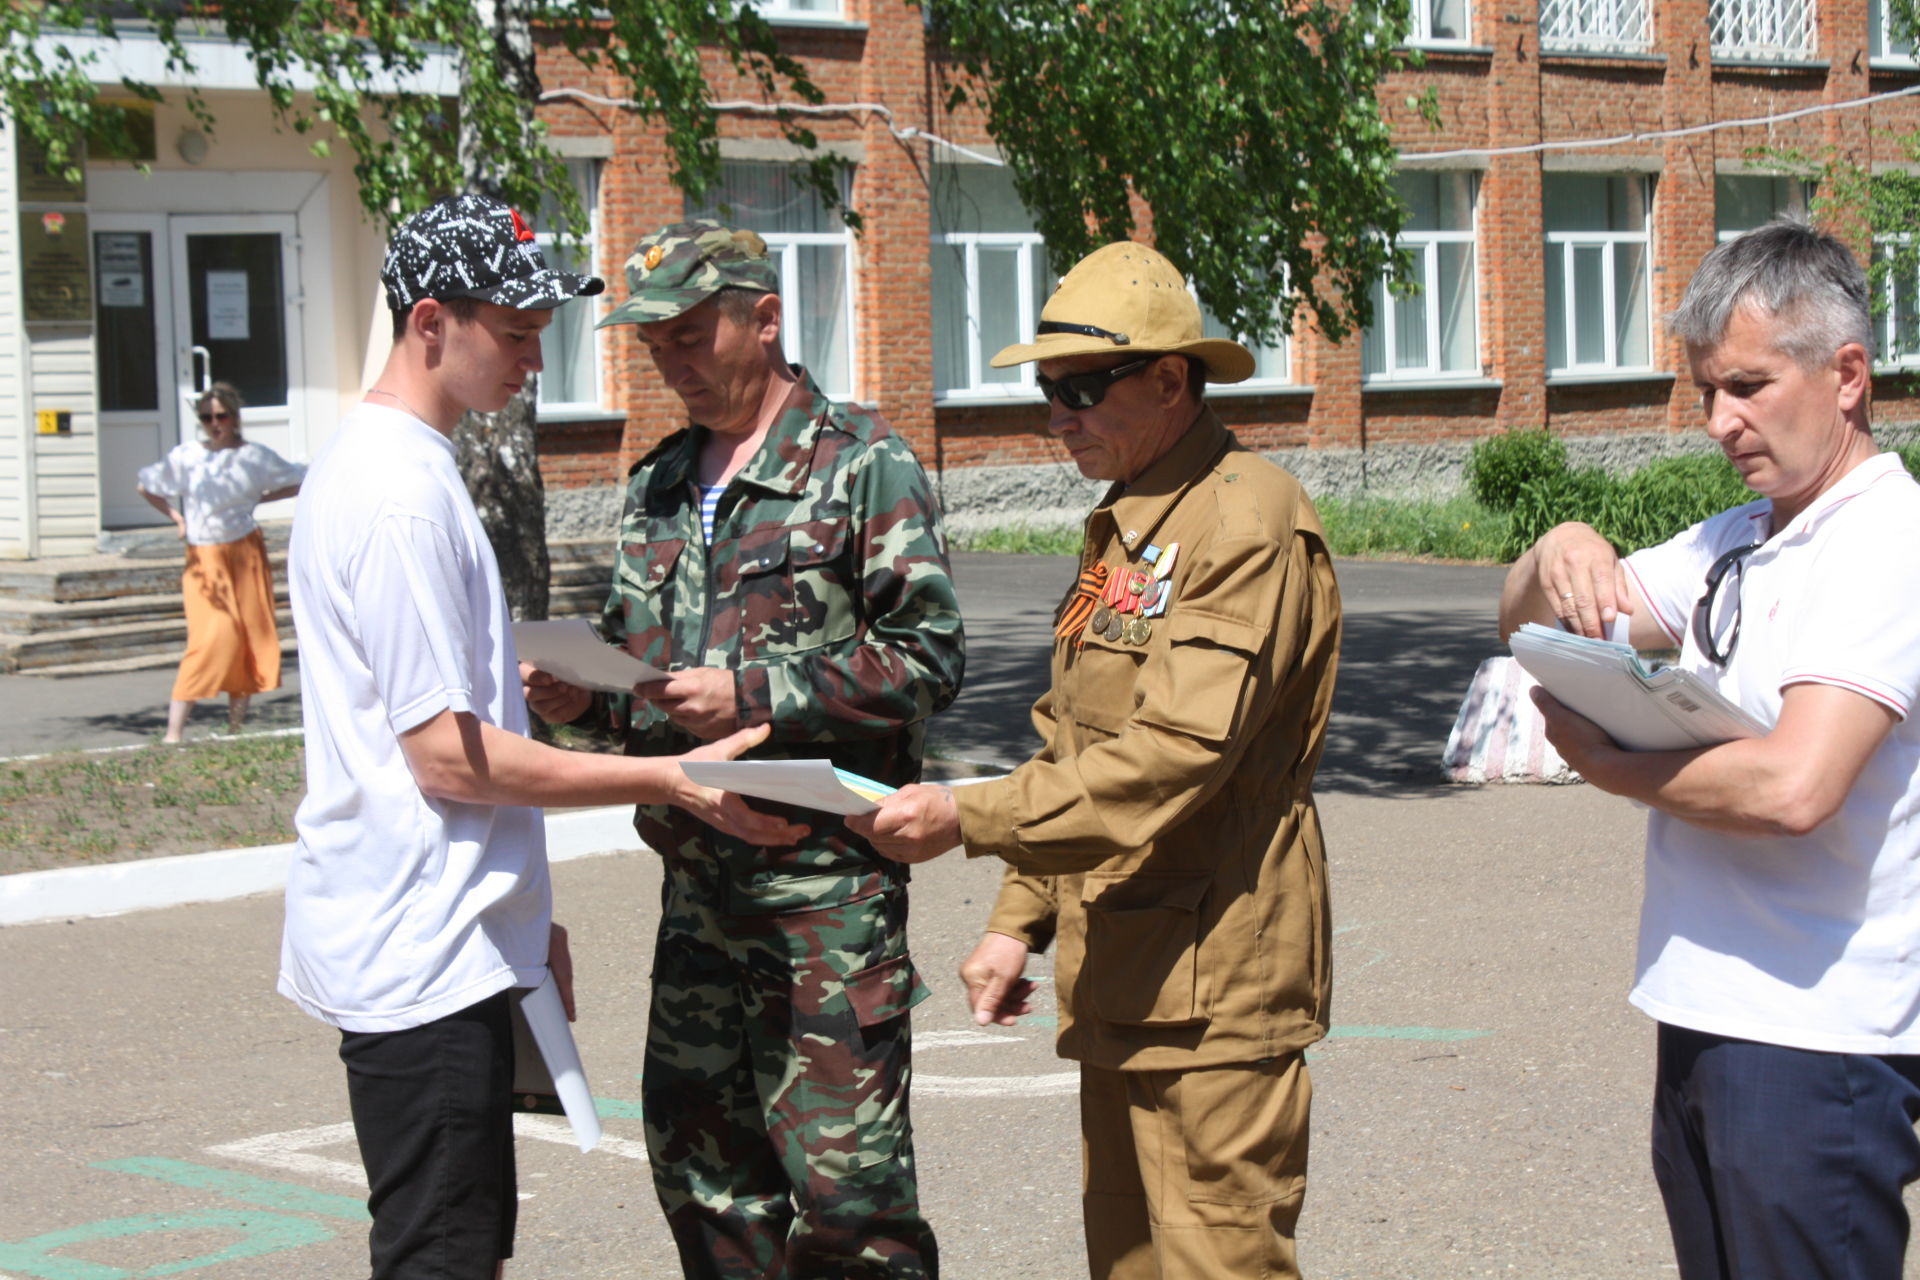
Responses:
[182,301]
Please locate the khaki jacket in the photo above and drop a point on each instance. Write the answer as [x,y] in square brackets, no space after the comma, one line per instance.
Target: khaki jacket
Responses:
[1165,833]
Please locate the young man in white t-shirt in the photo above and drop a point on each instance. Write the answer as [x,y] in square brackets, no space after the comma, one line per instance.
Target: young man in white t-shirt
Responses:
[418,901]
[1782,909]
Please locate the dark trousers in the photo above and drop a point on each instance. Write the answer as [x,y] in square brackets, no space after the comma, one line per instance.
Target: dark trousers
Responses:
[433,1110]
[1784,1164]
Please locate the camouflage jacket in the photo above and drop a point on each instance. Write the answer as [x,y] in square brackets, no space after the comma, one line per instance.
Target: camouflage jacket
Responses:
[827,590]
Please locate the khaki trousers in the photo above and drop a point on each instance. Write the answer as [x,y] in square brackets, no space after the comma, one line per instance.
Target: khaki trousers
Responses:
[1193,1175]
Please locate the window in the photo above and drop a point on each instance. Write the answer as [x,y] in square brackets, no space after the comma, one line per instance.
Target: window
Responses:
[814,251]
[1743,201]
[568,348]
[1770,29]
[1595,24]
[1886,46]
[1271,364]
[1439,22]
[1597,272]
[799,8]
[1898,324]
[990,280]
[1433,333]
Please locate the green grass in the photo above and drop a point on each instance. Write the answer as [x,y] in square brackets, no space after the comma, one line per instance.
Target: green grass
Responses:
[1021,540]
[1448,529]
[1436,529]
[105,806]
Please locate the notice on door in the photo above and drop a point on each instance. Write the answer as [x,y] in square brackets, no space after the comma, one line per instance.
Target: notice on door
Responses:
[227,306]
[123,275]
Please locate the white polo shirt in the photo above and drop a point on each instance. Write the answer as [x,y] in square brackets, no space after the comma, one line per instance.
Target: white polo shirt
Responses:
[1803,941]
[401,908]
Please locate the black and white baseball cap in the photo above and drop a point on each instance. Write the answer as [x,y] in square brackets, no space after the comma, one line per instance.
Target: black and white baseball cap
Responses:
[475,247]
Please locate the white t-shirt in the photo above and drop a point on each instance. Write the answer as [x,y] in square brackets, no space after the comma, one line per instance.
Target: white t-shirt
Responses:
[1803,941]
[401,908]
[217,489]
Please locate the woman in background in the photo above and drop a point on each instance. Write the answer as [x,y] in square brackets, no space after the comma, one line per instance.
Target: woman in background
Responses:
[209,490]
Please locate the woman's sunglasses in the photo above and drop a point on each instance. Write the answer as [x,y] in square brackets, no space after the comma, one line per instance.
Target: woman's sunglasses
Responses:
[218,416]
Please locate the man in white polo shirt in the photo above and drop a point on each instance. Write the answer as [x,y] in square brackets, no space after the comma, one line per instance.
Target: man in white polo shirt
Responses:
[1782,910]
[418,899]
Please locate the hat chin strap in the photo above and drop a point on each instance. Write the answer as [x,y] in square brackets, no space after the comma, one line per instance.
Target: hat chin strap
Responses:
[1087,330]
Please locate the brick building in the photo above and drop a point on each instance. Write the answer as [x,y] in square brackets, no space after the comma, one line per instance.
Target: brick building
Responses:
[1545,266]
[1575,180]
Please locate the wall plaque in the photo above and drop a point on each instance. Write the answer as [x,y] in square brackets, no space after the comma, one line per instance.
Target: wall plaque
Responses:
[58,288]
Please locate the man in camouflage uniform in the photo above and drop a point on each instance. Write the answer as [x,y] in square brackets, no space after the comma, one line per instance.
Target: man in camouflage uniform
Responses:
[818,601]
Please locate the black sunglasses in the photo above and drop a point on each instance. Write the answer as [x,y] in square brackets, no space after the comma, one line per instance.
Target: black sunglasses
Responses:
[1085,390]
[1733,562]
[222,416]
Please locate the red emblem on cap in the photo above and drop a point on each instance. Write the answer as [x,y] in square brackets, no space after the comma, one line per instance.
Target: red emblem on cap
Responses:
[521,231]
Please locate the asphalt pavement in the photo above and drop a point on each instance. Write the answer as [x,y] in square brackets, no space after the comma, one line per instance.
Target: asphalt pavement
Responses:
[1480,1108]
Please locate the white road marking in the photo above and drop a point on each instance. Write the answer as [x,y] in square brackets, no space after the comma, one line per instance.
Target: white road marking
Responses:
[554,1129]
[289,1151]
[1056,1082]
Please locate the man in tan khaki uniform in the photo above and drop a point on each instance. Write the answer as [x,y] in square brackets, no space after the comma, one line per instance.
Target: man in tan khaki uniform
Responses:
[1165,833]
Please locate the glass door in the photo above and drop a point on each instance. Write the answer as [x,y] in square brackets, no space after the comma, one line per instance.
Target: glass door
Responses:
[236,318]
[133,325]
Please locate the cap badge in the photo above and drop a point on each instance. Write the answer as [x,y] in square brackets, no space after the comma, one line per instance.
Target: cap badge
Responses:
[653,257]
[521,231]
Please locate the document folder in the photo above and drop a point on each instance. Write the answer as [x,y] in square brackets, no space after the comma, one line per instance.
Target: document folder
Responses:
[1642,709]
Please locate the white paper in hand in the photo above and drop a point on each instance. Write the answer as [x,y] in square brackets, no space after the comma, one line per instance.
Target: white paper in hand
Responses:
[572,650]
[547,1019]
[812,784]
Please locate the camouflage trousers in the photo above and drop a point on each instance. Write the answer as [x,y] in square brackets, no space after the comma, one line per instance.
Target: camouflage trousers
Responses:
[775,1090]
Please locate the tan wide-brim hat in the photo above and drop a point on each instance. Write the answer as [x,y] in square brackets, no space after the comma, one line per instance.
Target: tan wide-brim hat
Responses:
[1126,297]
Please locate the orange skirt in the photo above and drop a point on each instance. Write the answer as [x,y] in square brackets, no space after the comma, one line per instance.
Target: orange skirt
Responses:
[233,643]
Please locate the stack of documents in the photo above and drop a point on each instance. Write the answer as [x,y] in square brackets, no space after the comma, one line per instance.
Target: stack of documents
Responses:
[1642,710]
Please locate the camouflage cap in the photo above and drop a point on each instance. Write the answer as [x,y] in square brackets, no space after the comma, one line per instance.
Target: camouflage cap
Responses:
[682,265]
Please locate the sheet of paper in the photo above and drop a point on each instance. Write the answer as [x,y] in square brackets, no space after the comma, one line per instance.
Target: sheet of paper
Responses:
[572,650]
[547,1019]
[812,784]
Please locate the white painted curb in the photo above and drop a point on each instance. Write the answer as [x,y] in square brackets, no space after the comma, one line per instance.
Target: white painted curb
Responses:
[115,888]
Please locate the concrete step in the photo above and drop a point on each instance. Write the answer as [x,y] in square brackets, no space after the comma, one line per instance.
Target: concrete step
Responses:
[123,612]
[164,639]
[38,617]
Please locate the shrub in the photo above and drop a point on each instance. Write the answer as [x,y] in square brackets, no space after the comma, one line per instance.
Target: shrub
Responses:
[1553,498]
[1667,496]
[1501,466]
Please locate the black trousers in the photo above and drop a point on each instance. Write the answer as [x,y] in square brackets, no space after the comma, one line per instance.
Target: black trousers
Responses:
[433,1110]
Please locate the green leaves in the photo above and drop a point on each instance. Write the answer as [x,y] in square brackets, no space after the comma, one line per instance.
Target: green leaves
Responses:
[409,148]
[1252,130]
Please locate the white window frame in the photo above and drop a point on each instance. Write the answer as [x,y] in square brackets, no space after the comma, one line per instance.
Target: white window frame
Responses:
[1773,35]
[1797,206]
[1622,25]
[1887,324]
[1883,48]
[593,308]
[836,12]
[1427,244]
[1421,32]
[1566,244]
[781,247]
[1213,328]
[1030,254]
